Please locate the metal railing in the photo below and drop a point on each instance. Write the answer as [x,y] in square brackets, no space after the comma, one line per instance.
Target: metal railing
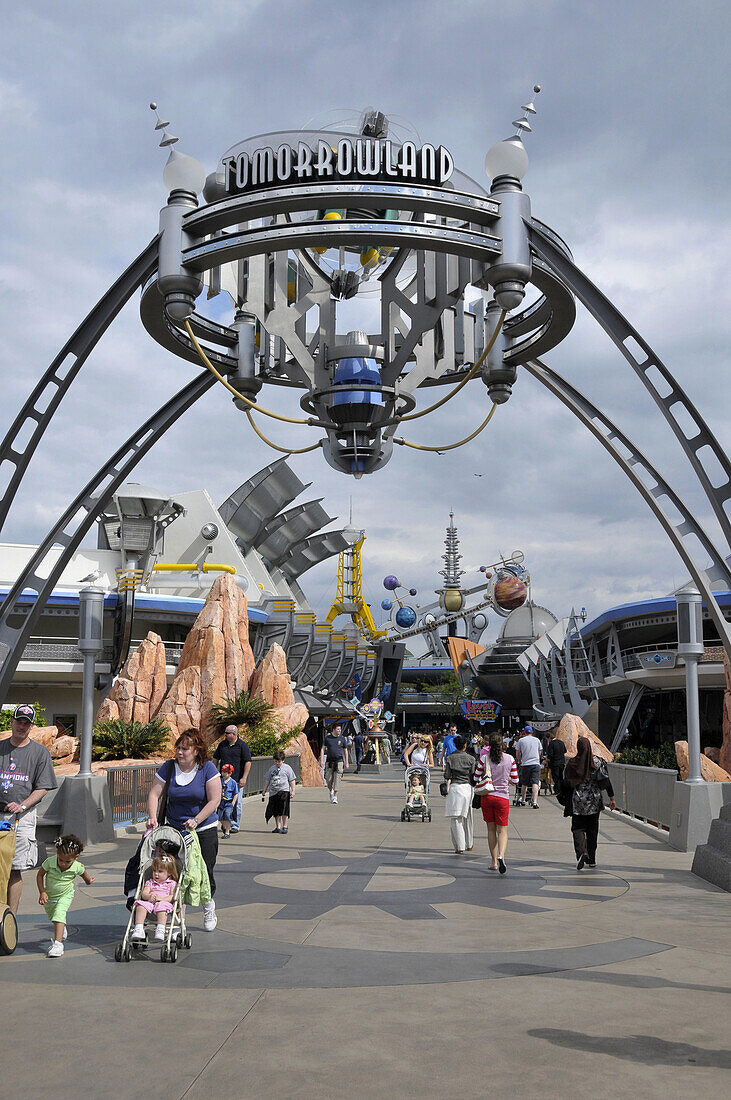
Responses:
[130,786]
[644,793]
[67,649]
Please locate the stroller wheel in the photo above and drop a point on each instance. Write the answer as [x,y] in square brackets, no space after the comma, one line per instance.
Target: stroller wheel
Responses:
[188,941]
[127,953]
[174,953]
[403,815]
[179,939]
[8,933]
[428,816]
[118,953]
[164,954]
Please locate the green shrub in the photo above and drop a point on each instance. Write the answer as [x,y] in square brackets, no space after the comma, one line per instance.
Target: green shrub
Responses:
[243,710]
[662,756]
[118,740]
[266,741]
[6,715]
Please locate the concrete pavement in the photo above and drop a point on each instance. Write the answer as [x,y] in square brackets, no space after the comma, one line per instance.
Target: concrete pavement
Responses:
[358,954]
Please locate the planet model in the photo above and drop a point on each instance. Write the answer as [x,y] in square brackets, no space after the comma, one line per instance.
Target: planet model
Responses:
[509,592]
[386,604]
[390,582]
[405,617]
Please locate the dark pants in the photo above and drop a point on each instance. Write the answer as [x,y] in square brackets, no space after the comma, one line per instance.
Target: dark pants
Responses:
[585,828]
[556,775]
[358,756]
[208,841]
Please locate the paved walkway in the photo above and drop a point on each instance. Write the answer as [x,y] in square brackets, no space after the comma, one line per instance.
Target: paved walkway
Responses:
[359,955]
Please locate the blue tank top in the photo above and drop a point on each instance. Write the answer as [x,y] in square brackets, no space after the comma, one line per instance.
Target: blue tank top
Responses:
[188,800]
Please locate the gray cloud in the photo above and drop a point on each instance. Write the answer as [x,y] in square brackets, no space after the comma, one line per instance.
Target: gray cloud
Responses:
[627,163]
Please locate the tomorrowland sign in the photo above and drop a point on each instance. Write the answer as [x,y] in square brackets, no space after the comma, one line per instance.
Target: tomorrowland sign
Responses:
[352,158]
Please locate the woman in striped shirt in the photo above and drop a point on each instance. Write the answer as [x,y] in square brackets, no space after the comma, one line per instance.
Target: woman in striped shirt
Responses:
[496,805]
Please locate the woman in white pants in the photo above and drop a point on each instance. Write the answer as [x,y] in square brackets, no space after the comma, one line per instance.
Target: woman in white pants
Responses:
[459,770]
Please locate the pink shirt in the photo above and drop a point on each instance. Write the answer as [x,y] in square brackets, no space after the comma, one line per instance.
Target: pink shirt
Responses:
[161,891]
[503,773]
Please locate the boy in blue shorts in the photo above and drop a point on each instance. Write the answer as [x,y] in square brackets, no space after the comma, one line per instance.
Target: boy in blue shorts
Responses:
[229,798]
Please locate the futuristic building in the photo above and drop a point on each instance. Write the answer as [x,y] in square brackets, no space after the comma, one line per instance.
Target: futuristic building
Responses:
[156,558]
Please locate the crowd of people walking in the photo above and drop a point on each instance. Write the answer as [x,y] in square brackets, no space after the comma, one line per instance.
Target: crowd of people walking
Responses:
[191,792]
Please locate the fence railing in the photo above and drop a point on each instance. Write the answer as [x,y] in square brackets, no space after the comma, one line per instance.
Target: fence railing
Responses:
[130,786]
[644,793]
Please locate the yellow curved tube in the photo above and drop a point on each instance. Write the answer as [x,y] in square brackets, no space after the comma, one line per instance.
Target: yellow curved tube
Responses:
[231,389]
[275,447]
[448,446]
[460,385]
[192,567]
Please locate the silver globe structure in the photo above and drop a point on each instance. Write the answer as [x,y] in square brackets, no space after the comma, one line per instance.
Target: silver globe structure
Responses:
[293,224]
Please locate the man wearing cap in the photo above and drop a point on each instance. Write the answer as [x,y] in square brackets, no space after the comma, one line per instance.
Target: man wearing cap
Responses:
[529,751]
[26,775]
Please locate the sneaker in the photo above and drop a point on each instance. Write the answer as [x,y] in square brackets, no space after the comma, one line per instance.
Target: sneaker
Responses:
[285,829]
[210,920]
[591,863]
[138,934]
[335,800]
[581,862]
[160,933]
[276,830]
[55,951]
[501,865]
[534,805]
[234,829]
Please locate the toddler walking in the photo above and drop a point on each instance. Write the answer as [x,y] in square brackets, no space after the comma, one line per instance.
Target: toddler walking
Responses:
[229,798]
[55,881]
[156,896]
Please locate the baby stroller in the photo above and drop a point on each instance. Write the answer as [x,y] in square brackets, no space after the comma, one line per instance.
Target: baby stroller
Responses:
[420,808]
[167,841]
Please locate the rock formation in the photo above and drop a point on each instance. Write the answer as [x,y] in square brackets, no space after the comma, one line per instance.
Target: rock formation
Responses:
[712,773]
[140,688]
[216,662]
[725,754]
[571,728]
[271,682]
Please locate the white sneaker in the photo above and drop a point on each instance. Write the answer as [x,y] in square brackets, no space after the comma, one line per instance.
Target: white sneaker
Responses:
[210,920]
[55,951]
[160,933]
[335,800]
[138,932]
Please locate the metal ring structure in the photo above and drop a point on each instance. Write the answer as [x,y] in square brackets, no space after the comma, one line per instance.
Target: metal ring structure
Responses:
[466,237]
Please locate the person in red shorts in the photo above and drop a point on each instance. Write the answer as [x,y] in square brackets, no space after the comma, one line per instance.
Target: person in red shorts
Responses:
[496,805]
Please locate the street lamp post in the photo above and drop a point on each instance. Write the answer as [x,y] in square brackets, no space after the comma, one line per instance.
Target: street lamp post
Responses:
[690,647]
[91,643]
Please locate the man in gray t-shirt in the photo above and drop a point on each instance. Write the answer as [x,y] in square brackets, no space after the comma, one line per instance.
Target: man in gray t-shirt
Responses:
[26,775]
[529,750]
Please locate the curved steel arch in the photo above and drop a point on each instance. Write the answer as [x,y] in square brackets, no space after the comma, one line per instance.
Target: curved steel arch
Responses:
[69,530]
[620,332]
[57,379]
[609,435]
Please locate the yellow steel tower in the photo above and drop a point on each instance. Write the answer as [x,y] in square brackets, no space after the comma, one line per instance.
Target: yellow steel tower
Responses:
[349,596]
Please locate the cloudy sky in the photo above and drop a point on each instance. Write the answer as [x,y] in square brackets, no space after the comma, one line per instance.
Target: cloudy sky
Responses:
[629,164]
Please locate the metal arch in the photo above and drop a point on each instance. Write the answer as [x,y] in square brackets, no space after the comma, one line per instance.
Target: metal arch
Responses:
[57,379]
[69,531]
[609,435]
[620,331]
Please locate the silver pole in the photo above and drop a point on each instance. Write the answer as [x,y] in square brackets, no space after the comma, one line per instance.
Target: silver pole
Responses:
[693,719]
[87,713]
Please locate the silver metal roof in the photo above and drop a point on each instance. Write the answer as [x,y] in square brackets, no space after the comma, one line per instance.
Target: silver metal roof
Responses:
[312,551]
[249,511]
[286,531]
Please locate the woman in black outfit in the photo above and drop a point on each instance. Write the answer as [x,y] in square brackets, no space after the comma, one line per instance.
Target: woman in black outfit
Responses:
[585,777]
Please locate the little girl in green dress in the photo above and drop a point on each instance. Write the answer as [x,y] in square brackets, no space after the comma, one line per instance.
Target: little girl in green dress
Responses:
[55,880]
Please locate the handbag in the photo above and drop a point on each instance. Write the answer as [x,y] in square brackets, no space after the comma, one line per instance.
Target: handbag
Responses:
[476,801]
[485,785]
[443,788]
[602,776]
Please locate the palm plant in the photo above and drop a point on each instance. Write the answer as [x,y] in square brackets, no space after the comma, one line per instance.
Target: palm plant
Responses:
[117,740]
[243,710]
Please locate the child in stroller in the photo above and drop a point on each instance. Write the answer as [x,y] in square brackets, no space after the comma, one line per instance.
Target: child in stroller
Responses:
[164,858]
[416,782]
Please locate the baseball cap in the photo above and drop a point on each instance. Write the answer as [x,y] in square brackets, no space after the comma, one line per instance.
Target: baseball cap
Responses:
[25,710]
[527,729]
